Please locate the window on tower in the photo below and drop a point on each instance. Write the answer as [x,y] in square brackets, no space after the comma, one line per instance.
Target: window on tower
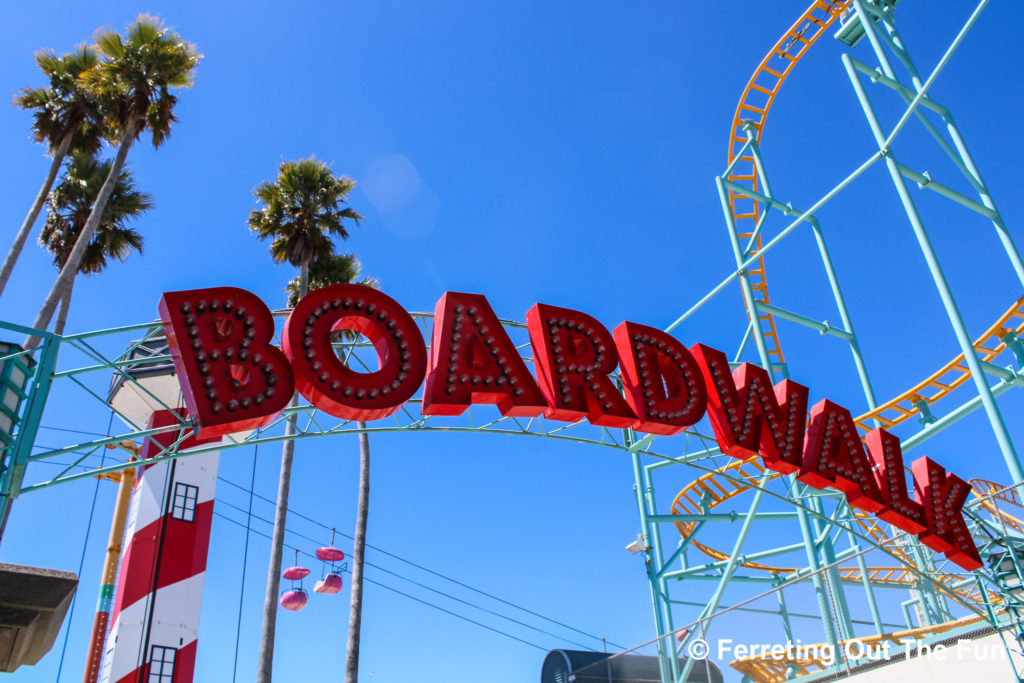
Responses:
[184,504]
[161,664]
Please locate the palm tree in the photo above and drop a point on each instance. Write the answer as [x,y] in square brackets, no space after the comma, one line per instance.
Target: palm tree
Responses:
[345,269]
[70,205]
[66,116]
[132,83]
[334,270]
[302,209]
[355,615]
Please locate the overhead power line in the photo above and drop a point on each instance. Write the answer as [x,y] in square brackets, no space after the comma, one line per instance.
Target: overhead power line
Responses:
[422,585]
[395,590]
[399,558]
[435,573]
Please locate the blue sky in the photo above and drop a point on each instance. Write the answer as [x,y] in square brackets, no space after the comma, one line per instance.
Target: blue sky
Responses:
[530,152]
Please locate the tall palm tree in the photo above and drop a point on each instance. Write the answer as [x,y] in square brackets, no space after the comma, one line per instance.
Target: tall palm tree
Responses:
[69,208]
[302,209]
[133,83]
[345,269]
[66,116]
[355,615]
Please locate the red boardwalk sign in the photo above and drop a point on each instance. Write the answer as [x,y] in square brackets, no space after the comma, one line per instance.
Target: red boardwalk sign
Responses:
[234,379]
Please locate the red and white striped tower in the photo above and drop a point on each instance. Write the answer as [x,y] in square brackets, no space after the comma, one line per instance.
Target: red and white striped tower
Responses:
[156,610]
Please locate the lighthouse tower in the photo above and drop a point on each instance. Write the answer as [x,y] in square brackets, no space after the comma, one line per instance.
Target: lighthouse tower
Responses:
[155,612]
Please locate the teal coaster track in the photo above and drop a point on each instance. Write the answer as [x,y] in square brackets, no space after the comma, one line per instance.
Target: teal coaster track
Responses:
[797,563]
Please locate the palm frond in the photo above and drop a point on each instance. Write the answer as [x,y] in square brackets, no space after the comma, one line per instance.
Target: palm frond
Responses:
[134,83]
[300,211]
[109,42]
[71,203]
[332,269]
[66,106]
[146,30]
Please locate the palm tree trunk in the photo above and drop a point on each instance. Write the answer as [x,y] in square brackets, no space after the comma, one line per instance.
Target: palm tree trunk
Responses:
[70,269]
[33,213]
[265,671]
[355,618]
[62,312]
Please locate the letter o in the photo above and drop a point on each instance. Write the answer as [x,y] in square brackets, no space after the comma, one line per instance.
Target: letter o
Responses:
[328,383]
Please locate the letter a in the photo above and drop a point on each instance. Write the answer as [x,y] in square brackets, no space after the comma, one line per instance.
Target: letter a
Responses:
[472,360]
[835,457]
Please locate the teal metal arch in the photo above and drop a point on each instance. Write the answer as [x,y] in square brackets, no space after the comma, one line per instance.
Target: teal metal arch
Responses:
[82,365]
[95,364]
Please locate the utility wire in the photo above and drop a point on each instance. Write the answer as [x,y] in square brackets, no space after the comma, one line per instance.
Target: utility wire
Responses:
[426,587]
[252,493]
[245,560]
[395,590]
[437,574]
[81,565]
[489,628]
[81,562]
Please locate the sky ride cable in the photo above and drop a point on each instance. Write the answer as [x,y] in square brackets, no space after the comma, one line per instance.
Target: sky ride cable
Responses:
[429,571]
[395,590]
[421,585]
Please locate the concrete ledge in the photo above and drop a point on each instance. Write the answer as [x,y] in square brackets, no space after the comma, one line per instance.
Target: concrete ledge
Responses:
[33,602]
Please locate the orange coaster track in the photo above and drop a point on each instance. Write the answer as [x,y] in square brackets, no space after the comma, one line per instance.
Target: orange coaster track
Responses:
[755,103]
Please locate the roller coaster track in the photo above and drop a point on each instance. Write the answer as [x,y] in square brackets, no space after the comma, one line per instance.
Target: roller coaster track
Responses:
[988,346]
[715,488]
[765,669]
[990,493]
[755,103]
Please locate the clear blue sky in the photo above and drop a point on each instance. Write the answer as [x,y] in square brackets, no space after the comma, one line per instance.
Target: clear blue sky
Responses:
[562,153]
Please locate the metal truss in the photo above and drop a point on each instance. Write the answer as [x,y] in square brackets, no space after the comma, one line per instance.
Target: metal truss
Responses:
[91,363]
[836,543]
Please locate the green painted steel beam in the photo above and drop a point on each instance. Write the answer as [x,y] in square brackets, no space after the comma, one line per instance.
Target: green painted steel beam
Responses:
[720,517]
[996,420]
[822,327]
[926,182]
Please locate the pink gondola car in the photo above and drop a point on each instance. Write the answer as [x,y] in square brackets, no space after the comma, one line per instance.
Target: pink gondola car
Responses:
[330,584]
[330,554]
[295,573]
[294,600]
